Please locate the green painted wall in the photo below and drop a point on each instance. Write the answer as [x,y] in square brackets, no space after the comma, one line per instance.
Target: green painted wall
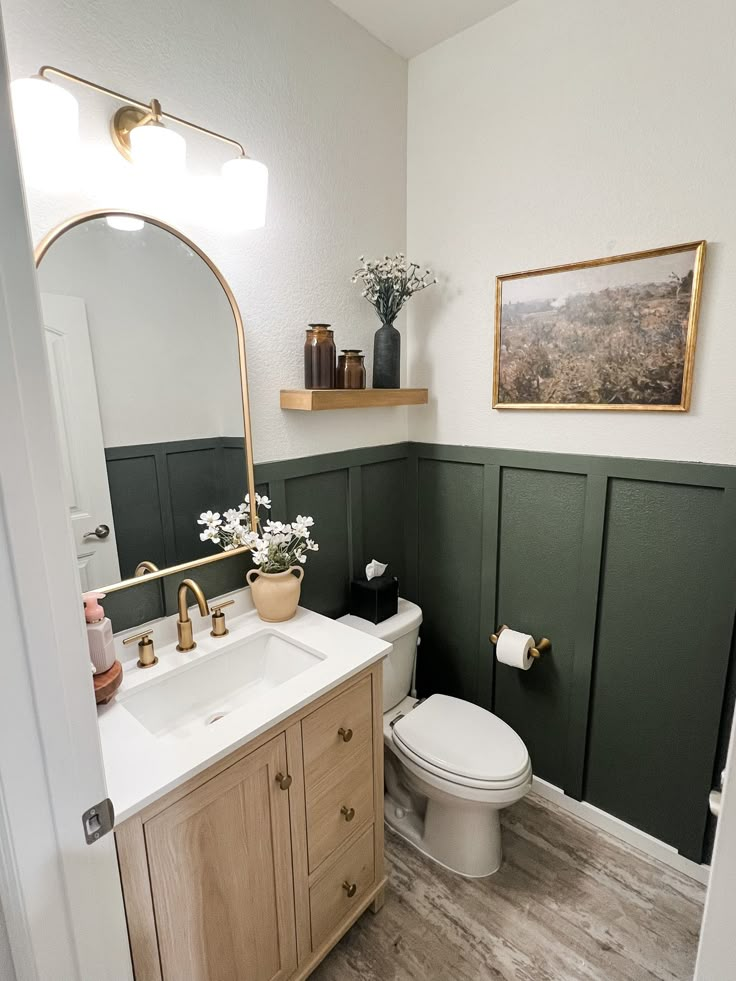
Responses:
[618,561]
[344,492]
[629,567]
[539,548]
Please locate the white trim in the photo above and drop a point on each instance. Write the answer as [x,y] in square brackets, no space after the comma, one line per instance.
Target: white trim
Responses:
[621,830]
[716,952]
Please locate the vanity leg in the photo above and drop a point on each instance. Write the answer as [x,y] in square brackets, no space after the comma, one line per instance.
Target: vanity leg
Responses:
[377,904]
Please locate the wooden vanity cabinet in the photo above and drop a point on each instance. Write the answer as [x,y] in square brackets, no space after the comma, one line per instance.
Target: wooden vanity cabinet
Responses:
[254,869]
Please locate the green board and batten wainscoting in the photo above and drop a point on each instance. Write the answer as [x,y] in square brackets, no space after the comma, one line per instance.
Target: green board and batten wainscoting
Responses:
[628,566]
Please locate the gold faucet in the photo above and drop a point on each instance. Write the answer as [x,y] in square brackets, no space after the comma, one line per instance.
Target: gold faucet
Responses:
[184,624]
[144,567]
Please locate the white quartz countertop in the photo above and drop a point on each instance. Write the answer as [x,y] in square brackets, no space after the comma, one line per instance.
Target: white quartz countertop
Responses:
[142,764]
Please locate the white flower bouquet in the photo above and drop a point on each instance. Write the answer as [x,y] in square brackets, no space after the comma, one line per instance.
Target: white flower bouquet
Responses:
[275,546]
[389,282]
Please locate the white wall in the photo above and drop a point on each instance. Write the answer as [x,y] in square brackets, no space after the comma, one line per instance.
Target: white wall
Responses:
[315,98]
[7,970]
[560,131]
[162,332]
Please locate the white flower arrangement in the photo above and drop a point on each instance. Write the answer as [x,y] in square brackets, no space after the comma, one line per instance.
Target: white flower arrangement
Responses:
[389,282]
[275,546]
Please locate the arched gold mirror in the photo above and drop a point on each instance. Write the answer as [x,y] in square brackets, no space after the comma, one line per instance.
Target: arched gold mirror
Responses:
[147,354]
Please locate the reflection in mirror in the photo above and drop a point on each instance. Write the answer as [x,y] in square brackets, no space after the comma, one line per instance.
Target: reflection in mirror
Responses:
[143,346]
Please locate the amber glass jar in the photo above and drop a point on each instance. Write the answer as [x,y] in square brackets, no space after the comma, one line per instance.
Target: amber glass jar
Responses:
[319,357]
[351,369]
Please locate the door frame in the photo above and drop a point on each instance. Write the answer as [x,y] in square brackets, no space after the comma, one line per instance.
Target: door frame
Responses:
[60,897]
[717,949]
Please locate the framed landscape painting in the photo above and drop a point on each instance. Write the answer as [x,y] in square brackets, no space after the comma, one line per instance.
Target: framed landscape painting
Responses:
[616,333]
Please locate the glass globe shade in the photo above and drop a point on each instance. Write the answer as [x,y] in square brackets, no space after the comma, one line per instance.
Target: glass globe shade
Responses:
[124,223]
[246,187]
[46,118]
[157,150]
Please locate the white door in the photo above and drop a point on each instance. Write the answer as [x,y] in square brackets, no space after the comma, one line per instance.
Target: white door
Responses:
[74,390]
[60,897]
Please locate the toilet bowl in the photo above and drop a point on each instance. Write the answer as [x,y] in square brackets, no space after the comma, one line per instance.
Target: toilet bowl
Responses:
[450,766]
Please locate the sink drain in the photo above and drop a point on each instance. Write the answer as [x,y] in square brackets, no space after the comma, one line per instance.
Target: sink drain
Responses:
[215,718]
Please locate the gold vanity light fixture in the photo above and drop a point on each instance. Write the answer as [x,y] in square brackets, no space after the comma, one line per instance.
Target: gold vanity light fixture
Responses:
[48,114]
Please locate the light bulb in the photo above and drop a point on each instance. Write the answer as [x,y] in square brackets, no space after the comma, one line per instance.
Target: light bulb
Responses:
[46,120]
[157,150]
[246,186]
[124,223]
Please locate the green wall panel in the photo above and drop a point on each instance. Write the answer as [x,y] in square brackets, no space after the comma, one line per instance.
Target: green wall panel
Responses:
[194,487]
[385,509]
[616,560]
[139,604]
[324,496]
[540,537]
[450,512]
[135,493]
[234,475]
[660,667]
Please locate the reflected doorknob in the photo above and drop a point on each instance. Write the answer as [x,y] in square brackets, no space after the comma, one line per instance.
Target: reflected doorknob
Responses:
[714,799]
[714,803]
[101,531]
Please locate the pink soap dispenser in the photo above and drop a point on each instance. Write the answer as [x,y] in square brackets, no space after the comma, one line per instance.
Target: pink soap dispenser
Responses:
[99,633]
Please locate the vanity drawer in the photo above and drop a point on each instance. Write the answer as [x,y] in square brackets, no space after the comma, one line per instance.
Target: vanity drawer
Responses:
[337,734]
[341,888]
[338,806]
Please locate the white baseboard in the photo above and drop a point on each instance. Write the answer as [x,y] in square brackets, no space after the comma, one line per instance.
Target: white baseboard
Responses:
[625,832]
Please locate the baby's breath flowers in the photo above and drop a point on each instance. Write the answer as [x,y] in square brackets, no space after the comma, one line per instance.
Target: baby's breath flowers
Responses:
[389,282]
[275,546]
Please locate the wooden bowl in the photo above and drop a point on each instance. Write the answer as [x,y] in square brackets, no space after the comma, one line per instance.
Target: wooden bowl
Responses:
[107,683]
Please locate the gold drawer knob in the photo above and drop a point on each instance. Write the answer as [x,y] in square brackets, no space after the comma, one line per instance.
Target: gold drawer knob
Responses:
[347,812]
[350,888]
[284,781]
[346,734]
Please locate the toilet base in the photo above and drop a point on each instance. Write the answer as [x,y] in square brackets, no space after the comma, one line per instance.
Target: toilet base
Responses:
[463,839]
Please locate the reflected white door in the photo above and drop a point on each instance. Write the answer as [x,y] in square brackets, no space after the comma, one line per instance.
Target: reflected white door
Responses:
[80,432]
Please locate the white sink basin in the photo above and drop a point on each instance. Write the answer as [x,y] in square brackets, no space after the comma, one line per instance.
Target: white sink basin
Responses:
[181,704]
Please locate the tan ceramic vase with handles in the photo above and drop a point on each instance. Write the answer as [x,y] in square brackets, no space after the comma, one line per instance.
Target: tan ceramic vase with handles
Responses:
[276,594]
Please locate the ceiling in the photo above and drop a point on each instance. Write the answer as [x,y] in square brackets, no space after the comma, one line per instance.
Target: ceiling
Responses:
[412,26]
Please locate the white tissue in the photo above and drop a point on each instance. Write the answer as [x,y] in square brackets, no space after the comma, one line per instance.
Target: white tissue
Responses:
[375,568]
[513,649]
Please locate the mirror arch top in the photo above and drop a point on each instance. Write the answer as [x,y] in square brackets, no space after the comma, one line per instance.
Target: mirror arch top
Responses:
[239,353]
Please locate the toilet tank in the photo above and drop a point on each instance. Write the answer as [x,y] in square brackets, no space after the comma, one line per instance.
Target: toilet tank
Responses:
[401,630]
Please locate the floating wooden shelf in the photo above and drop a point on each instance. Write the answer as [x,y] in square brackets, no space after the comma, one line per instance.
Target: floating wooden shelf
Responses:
[318,399]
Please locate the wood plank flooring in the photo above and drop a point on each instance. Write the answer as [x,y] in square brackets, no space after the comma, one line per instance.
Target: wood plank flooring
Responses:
[570,903]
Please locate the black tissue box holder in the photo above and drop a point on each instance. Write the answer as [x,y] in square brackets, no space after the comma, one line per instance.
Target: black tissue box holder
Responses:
[374,599]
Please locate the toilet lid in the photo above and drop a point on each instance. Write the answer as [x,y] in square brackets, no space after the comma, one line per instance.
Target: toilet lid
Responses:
[462,739]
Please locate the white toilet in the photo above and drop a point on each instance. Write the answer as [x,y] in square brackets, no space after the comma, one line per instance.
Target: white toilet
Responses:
[450,766]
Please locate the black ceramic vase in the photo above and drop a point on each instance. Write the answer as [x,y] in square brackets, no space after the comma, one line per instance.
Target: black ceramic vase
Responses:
[387,357]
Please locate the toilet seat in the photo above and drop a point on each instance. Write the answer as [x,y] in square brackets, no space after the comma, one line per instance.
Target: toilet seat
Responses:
[462,744]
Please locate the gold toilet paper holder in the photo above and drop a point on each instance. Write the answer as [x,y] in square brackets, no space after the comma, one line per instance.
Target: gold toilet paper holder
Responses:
[540,647]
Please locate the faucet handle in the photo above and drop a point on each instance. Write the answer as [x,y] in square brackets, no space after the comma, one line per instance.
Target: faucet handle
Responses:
[146,651]
[219,629]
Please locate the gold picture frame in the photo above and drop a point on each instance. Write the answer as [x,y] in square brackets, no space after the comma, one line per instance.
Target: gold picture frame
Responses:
[648,295]
[41,250]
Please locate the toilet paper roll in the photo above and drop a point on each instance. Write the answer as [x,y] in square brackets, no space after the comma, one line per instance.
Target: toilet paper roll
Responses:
[513,649]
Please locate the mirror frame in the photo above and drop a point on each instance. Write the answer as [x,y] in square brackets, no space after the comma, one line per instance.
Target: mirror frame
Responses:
[40,251]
